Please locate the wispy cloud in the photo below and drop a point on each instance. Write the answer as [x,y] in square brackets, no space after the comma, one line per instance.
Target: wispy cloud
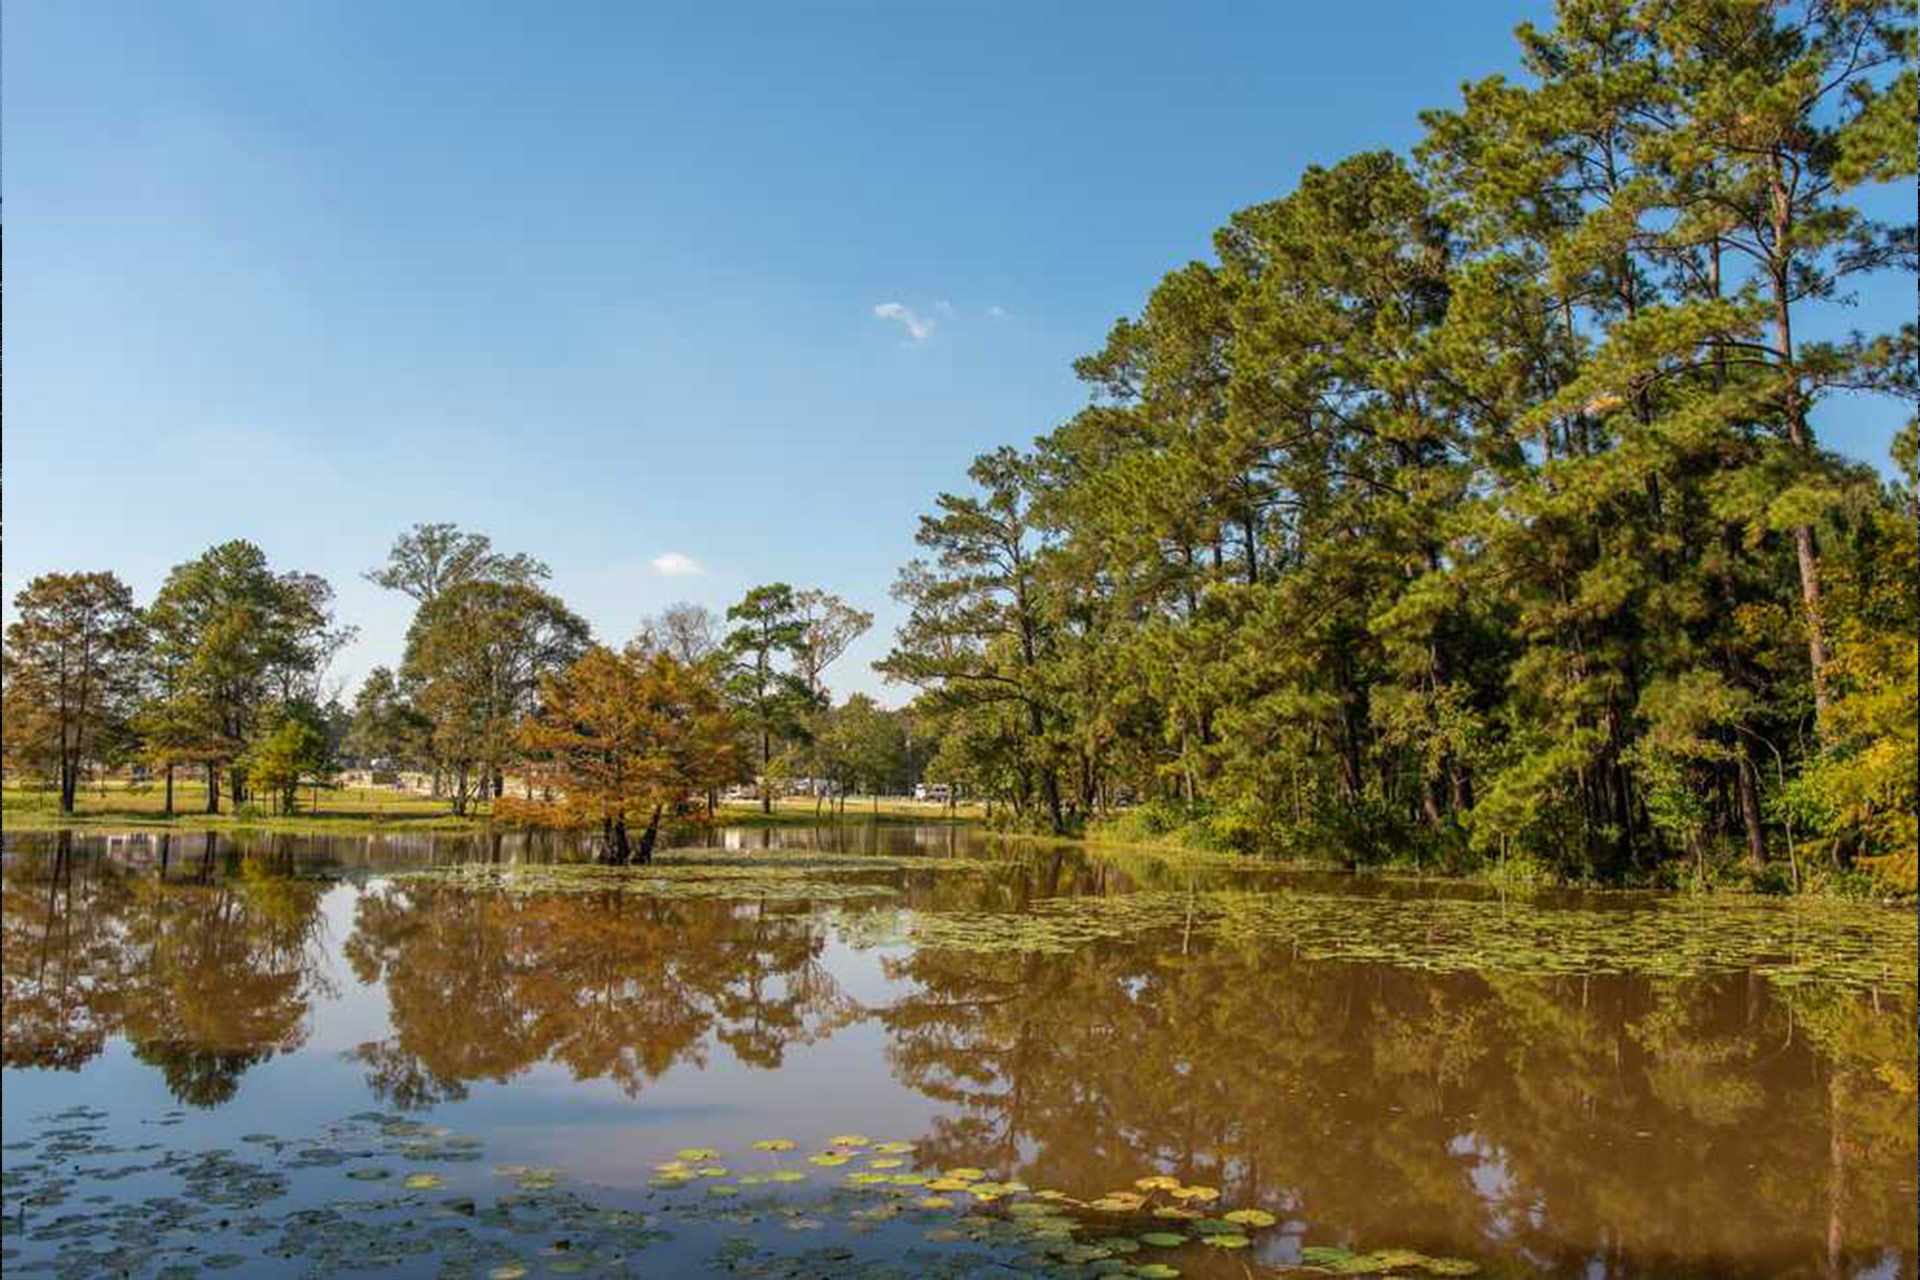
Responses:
[675,564]
[996,311]
[919,328]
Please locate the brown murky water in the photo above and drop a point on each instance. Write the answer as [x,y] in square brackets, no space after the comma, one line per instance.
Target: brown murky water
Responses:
[1730,1092]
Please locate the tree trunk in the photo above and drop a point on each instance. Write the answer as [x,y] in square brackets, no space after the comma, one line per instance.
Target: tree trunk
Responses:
[1794,403]
[213,788]
[615,850]
[169,809]
[69,785]
[647,837]
[1744,780]
[1430,800]
[1803,554]
[766,758]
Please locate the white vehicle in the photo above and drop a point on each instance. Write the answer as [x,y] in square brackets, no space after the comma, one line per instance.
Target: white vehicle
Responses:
[933,791]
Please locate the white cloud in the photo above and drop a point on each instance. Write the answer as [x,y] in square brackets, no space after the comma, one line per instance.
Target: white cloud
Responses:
[996,311]
[675,564]
[919,328]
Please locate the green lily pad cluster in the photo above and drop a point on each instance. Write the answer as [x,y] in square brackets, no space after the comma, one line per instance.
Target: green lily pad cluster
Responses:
[1134,1231]
[1344,1262]
[1842,944]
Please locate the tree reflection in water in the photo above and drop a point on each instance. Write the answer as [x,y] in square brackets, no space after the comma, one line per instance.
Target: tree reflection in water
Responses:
[1610,1125]
[1590,1125]
[616,986]
[207,965]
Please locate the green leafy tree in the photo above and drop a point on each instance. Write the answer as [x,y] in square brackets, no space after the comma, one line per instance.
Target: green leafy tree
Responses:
[771,697]
[429,558]
[234,642]
[292,752]
[978,631]
[476,653]
[385,724]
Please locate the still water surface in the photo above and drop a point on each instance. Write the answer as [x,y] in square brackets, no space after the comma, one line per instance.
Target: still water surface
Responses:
[214,1046]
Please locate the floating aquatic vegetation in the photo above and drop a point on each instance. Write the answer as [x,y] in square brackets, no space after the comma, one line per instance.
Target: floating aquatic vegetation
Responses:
[1345,1262]
[886,1224]
[1793,942]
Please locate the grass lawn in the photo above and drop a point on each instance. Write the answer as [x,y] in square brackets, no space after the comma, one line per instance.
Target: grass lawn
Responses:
[119,804]
[358,809]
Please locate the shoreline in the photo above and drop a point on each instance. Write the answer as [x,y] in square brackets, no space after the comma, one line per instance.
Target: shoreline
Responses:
[32,812]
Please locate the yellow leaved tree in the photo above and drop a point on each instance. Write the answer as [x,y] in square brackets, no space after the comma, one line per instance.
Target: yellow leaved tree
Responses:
[624,739]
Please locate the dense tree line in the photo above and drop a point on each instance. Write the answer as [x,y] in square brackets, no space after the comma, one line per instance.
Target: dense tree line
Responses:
[1469,503]
[222,675]
[219,675]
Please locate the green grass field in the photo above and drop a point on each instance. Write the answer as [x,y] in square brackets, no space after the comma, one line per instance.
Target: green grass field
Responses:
[359,809]
[144,805]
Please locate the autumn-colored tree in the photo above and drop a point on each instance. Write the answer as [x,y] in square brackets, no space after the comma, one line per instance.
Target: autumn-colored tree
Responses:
[71,668]
[622,738]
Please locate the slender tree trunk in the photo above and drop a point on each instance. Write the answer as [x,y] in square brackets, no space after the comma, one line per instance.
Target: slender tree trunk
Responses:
[1794,403]
[1804,555]
[169,809]
[766,763]
[213,788]
[1744,771]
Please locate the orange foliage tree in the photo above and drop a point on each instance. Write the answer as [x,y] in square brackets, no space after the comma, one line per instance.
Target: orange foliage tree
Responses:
[625,738]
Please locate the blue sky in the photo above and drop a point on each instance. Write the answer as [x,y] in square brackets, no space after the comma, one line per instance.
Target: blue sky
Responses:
[602,280]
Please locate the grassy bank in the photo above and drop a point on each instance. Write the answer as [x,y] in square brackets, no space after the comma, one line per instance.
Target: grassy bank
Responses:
[797,811]
[351,810]
[1203,833]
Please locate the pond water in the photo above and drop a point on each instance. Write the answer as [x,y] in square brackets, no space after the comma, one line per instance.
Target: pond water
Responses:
[462,1056]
